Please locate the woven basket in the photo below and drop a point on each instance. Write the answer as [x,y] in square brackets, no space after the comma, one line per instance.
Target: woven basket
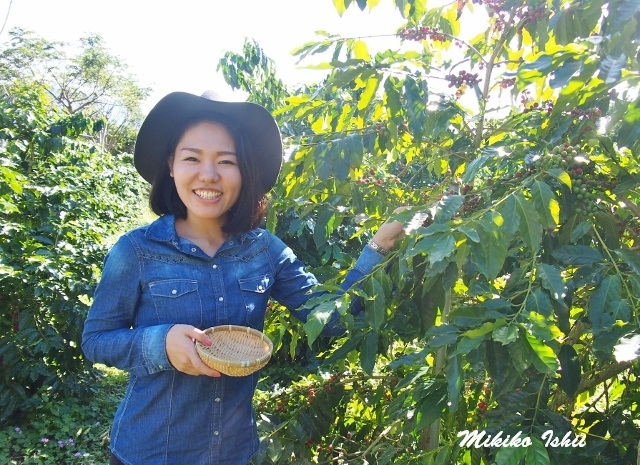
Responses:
[236,350]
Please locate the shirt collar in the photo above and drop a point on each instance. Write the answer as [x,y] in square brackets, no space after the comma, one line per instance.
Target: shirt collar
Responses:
[164,230]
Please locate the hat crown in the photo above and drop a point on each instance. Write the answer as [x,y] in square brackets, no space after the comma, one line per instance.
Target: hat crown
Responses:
[256,122]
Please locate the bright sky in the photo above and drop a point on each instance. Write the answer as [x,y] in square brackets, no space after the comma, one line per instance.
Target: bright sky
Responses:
[176,45]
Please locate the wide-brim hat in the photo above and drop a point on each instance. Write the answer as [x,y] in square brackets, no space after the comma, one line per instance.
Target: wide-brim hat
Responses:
[255,121]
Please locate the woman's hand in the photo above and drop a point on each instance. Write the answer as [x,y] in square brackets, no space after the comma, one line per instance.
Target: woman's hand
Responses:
[389,232]
[181,350]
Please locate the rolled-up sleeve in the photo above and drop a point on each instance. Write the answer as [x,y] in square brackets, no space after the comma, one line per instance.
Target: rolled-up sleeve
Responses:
[296,286]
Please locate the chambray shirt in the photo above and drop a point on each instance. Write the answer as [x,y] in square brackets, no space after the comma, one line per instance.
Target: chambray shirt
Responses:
[153,279]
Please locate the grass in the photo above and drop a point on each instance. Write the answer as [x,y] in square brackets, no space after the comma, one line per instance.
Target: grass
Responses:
[72,432]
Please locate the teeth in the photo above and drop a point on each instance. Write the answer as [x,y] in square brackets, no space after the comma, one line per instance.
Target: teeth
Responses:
[208,195]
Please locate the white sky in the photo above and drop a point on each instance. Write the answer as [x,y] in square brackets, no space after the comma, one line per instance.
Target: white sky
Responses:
[175,45]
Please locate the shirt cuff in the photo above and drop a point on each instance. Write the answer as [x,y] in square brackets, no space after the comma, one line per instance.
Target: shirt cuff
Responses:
[367,260]
[154,348]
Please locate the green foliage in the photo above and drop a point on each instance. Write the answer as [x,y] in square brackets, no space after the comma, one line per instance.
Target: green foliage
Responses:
[62,200]
[501,310]
[67,431]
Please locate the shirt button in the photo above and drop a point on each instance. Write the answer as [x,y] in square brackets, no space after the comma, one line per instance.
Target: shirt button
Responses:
[174,292]
[214,266]
[161,367]
[220,299]
[215,433]
[193,249]
[217,399]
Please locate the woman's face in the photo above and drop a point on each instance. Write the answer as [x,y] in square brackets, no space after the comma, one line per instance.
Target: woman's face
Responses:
[206,173]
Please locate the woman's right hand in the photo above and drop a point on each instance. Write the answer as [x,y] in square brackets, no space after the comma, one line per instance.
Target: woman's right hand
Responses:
[181,350]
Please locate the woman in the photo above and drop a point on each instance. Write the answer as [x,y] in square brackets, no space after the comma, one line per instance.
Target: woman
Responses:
[203,262]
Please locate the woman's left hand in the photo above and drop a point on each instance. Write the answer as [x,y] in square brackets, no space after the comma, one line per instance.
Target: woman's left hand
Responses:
[389,232]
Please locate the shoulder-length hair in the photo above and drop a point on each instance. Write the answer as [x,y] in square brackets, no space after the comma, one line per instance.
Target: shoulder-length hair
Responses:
[248,211]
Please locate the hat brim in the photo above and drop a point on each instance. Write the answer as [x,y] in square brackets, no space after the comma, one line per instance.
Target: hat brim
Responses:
[254,120]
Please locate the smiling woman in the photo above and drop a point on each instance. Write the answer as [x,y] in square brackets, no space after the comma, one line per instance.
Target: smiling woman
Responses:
[203,263]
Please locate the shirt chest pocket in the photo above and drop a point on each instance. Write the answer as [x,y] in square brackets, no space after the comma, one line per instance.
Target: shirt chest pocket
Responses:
[255,296]
[177,301]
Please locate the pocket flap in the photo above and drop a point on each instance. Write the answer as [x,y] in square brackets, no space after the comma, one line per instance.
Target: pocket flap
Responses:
[173,288]
[259,284]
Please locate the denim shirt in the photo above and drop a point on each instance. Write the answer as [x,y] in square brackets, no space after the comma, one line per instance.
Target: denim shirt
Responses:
[153,279]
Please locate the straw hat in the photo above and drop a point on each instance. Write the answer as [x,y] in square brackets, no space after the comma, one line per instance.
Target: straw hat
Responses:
[254,120]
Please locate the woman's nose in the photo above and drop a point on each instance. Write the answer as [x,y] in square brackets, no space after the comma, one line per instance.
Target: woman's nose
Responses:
[209,172]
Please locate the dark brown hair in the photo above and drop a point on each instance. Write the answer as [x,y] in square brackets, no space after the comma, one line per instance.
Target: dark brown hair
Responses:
[248,211]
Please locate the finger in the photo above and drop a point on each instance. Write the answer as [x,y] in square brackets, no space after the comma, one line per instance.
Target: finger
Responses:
[200,336]
[203,368]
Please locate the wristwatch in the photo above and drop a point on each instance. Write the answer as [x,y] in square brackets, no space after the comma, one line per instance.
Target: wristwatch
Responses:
[377,248]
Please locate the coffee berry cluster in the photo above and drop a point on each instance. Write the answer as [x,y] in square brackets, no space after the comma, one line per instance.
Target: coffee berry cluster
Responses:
[587,185]
[419,33]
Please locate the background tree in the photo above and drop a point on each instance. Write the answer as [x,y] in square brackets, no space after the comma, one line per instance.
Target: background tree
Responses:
[91,81]
[63,197]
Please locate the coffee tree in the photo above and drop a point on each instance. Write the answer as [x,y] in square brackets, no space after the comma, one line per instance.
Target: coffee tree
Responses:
[62,200]
[510,305]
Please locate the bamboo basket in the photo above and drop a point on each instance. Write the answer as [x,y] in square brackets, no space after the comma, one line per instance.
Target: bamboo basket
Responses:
[236,350]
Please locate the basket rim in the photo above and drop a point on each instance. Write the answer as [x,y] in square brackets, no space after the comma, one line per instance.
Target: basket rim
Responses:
[237,363]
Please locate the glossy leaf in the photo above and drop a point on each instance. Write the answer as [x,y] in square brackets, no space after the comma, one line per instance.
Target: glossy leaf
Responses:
[606,305]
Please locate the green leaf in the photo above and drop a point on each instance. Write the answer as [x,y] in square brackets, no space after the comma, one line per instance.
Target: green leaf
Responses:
[361,51]
[570,370]
[546,203]
[631,258]
[323,227]
[473,316]
[368,352]
[441,335]
[470,233]
[544,358]
[577,255]
[538,301]
[536,453]
[416,97]
[530,226]
[369,92]
[475,165]
[448,207]
[430,409]
[485,328]
[561,175]
[441,249]
[510,455]
[319,317]
[552,281]
[605,306]
[375,304]
[580,230]
[511,219]
[521,353]
[489,255]
[453,372]
[505,334]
